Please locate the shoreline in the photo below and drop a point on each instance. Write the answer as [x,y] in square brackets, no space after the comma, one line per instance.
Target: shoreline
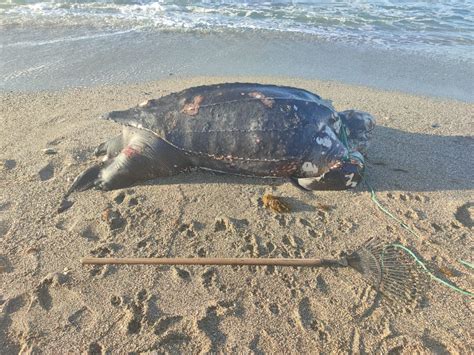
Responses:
[135,57]
[48,300]
[235,78]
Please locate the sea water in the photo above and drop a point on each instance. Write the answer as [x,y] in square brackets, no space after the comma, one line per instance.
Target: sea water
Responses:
[414,46]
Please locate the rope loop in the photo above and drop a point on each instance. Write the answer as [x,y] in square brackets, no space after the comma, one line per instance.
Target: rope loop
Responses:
[405,226]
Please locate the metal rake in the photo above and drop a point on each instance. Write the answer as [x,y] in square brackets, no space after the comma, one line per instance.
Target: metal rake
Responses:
[387,268]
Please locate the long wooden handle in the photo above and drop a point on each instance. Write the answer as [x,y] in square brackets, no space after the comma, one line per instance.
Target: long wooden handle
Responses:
[213,261]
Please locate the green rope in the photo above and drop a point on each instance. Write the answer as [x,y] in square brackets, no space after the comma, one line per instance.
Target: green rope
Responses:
[350,155]
[344,139]
[465,263]
[373,196]
[408,251]
[425,269]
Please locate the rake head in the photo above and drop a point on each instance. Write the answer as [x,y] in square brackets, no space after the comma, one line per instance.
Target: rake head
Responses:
[389,270]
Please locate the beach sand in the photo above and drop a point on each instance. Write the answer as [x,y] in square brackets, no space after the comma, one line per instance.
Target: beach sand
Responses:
[420,164]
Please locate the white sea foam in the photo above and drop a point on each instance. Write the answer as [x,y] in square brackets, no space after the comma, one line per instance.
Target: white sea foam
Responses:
[426,26]
[66,39]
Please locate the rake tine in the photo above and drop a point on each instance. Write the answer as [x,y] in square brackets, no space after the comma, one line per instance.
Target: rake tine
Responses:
[388,270]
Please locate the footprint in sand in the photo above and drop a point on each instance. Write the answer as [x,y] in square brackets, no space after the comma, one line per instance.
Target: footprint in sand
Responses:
[183,274]
[8,164]
[209,277]
[4,222]
[135,313]
[311,230]
[143,314]
[113,219]
[127,197]
[295,245]
[165,323]
[408,197]
[347,225]
[5,206]
[76,318]
[250,247]
[84,228]
[321,285]
[46,173]
[224,223]
[415,214]
[261,342]
[9,343]
[14,304]
[291,284]
[5,265]
[173,341]
[140,313]
[4,227]
[118,197]
[436,346]
[465,215]
[308,320]
[187,229]
[94,349]
[51,294]
[102,252]
[274,309]
[209,325]
[41,294]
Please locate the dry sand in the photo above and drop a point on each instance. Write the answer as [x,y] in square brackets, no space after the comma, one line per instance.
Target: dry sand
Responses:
[420,163]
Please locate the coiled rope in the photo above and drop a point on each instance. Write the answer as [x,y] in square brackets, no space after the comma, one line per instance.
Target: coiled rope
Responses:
[373,197]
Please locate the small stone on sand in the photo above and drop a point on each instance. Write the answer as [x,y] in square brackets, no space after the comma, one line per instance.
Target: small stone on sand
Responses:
[50,151]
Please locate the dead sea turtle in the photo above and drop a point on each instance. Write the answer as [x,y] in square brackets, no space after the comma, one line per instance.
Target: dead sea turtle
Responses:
[237,128]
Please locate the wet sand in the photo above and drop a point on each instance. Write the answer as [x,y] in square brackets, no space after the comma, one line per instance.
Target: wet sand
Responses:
[418,163]
[39,58]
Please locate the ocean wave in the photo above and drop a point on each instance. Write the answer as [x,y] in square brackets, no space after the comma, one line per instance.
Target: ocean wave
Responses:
[411,24]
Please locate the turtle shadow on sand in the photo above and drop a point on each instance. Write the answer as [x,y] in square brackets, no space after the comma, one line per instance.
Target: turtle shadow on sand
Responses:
[417,162]
[397,160]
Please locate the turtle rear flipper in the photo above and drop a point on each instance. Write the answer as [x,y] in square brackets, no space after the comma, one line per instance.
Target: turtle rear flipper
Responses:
[86,180]
[110,148]
[146,156]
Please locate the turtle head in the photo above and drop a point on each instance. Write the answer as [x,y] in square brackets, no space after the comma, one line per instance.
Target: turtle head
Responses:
[131,117]
[345,156]
[359,126]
